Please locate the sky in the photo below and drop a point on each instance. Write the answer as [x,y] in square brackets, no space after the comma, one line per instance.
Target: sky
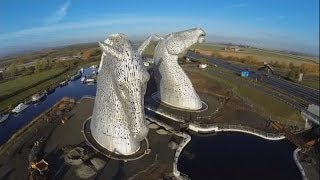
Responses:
[275,24]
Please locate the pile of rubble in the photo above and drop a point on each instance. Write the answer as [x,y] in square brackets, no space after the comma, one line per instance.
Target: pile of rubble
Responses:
[61,111]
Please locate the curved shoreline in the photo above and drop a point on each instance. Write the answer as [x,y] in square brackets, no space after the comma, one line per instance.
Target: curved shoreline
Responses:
[235,128]
[210,129]
[198,129]
[296,160]
[186,140]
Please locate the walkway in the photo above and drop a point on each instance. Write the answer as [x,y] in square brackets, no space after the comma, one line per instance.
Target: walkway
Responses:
[236,128]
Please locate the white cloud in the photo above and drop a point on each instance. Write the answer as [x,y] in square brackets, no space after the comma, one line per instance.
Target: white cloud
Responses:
[59,14]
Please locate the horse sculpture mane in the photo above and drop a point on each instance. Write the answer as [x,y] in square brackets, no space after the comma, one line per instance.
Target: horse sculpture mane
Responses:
[118,121]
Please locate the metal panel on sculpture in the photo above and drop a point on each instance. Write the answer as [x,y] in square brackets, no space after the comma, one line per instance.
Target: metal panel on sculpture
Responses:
[118,121]
[174,86]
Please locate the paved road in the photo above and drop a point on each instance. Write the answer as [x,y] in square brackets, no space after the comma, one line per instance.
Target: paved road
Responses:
[309,95]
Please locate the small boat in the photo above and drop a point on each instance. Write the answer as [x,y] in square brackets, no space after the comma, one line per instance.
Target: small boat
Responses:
[83,79]
[93,66]
[90,83]
[76,76]
[63,83]
[50,90]
[37,97]
[4,117]
[20,107]
[90,80]
[81,70]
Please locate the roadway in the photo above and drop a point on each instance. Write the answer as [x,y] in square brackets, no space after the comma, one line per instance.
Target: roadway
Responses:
[308,94]
[289,89]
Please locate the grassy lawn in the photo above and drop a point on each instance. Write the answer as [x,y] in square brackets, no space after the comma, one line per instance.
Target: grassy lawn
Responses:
[265,104]
[150,48]
[208,47]
[29,81]
[277,109]
[311,81]
[12,87]
[260,54]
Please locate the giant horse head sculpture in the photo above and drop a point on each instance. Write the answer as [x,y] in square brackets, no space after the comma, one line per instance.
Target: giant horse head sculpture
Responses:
[178,42]
[174,86]
[118,121]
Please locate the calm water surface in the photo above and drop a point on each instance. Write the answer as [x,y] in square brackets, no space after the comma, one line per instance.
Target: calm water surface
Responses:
[233,155]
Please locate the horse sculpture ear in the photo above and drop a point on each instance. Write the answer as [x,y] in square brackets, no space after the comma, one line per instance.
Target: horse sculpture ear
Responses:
[110,50]
[175,44]
[146,42]
[101,61]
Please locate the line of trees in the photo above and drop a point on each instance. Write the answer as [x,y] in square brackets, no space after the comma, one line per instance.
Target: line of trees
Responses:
[16,68]
[293,70]
[303,68]
[250,60]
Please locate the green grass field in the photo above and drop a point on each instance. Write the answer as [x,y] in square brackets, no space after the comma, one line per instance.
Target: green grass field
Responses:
[49,78]
[208,47]
[260,54]
[264,103]
[312,81]
[150,48]
[13,86]
[276,108]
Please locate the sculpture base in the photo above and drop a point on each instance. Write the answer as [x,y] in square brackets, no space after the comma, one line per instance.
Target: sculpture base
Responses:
[156,97]
[143,150]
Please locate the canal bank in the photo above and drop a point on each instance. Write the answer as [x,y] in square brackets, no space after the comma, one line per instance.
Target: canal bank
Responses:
[15,122]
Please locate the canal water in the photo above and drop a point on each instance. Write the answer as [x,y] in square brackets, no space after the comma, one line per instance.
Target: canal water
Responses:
[234,155]
[74,89]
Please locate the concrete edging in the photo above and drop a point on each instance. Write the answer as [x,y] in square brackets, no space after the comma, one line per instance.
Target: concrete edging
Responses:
[98,148]
[155,97]
[187,139]
[296,160]
[165,115]
[211,129]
